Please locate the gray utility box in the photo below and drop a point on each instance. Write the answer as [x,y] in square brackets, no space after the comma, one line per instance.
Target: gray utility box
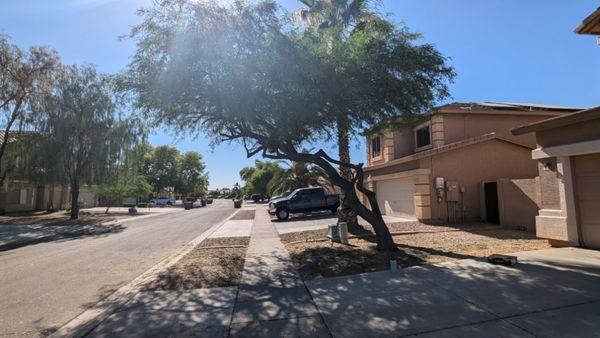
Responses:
[338,232]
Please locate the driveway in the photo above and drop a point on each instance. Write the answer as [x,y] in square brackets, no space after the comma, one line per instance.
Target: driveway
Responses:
[550,293]
[46,285]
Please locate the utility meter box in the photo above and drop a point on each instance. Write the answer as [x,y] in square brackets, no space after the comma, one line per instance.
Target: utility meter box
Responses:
[452,191]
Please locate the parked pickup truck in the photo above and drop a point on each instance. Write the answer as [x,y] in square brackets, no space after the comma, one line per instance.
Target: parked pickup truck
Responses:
[303,200]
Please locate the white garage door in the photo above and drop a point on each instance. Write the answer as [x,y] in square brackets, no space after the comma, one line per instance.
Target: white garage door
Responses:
[587,190]
[396,197]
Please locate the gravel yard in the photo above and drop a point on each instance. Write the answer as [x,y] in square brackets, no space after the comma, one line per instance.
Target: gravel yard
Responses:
[216,262]
[315,257]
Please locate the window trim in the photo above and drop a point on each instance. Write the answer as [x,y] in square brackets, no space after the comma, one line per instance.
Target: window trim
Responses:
[426,124]
[380,154]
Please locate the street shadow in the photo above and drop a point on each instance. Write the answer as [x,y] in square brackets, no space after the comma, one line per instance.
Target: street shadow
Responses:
[13,236]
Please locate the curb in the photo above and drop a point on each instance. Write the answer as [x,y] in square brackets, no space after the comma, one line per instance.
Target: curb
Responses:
[88,320]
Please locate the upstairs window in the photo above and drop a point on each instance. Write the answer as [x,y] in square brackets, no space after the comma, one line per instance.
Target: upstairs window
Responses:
[423,137]
[375,146]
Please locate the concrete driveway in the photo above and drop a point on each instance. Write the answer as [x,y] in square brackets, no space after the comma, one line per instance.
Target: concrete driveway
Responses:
[550,293]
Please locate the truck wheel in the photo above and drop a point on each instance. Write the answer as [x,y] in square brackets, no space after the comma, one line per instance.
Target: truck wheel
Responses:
[282,214]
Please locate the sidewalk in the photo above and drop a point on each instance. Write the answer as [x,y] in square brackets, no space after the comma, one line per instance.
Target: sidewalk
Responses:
[273,301]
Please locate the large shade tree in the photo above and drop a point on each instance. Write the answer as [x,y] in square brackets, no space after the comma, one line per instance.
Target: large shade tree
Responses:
[25,75]
[80,129]
[241,73]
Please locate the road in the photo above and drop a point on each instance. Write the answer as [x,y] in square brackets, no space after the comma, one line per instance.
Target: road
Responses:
[44,286]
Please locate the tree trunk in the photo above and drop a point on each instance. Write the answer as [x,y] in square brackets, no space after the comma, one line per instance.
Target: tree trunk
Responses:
[346,213]
[74,200]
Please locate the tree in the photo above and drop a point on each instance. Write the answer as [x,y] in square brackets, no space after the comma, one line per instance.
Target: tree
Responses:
[298,175]
[241,74]
[117,190]
[258,177]
[24,76]
[162,169]
[82,135]
[193,179]
[330,23]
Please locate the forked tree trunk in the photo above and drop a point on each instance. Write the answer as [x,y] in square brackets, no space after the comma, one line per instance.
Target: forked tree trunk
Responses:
[385,242]
[74,200]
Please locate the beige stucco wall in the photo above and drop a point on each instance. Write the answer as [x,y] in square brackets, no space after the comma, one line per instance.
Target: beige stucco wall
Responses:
[469,166]
[518,202]
[579,132]
[458,127]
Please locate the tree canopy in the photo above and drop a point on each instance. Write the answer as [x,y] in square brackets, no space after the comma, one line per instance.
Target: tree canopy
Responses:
[242,72]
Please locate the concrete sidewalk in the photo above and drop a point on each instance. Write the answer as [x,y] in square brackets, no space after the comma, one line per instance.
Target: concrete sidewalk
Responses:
[273,301]
[550,293]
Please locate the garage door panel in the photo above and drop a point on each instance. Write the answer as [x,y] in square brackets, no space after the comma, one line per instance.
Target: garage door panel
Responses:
[396,197]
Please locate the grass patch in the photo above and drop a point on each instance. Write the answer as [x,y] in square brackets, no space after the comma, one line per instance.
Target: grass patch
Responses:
[315,258]
[216,262]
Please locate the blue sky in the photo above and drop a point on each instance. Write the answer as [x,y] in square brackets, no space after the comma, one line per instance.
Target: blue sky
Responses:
[502,50]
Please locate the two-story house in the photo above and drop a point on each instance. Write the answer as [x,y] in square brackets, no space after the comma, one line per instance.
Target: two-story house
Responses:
[450,164]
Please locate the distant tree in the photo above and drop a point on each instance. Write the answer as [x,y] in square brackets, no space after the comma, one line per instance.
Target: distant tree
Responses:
[162,168]
[298,175]
[193,180]
[276,90]
[257,178]
[214,193]
[81,132]
[116,191]
[24,77]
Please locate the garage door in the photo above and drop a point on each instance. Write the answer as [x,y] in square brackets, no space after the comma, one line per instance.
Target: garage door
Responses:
[587,192]
[396,197]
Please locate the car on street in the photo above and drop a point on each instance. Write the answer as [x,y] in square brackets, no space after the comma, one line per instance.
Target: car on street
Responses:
[162,201]
[303,200]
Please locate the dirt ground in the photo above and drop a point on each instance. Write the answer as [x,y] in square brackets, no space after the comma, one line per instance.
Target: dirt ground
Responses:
[315,258]
[216,262]
[42,218]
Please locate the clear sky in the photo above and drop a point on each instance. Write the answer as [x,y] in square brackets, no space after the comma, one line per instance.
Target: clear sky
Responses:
[502,50]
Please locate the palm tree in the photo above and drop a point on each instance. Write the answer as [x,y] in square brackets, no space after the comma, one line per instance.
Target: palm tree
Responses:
[334,20]
[298,175]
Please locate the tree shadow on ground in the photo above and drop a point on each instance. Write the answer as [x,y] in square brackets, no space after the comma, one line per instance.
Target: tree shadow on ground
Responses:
[461,296]
[13,237]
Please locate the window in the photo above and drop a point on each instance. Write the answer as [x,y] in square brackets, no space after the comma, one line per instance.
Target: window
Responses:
[375,146]
[422,137]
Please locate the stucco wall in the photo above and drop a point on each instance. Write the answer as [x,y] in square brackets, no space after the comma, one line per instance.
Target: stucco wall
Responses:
[471,165]
[458,127]
[578,132]
[518,202]
[404,142]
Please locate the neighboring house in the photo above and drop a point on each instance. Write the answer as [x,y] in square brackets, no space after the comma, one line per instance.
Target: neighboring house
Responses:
[568,153]
[459,163]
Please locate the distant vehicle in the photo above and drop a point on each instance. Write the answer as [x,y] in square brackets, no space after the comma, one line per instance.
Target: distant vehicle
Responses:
[285,194]
[163,201]
[257,198]
[209,200]
[303,200]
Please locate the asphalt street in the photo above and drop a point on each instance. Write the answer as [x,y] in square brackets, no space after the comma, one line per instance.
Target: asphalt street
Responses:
[44,286]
